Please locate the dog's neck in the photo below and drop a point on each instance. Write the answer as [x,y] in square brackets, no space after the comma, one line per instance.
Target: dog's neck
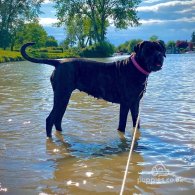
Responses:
[137,65]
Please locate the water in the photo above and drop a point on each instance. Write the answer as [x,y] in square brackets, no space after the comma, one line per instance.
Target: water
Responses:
[90,156]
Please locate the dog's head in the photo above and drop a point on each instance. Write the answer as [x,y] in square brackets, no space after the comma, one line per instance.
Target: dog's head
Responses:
[150,55]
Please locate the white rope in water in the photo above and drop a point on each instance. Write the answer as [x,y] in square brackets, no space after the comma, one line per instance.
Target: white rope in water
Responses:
[130,154]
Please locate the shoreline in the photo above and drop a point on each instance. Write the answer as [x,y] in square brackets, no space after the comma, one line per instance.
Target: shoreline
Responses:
[15,56]
[19,58]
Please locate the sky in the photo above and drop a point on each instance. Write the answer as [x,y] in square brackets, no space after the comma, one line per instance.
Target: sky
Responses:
[168,20]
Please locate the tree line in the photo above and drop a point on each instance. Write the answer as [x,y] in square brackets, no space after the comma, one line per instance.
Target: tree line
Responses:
[85,21]
[19,24]
[178,46]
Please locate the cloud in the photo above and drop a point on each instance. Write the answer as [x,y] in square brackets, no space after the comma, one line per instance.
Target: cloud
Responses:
[169,4]
[187,10]
[47,21]
[152,1]
[158,21]
[47,1]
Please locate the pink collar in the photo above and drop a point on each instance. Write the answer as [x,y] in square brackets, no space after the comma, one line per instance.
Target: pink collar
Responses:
[138,66]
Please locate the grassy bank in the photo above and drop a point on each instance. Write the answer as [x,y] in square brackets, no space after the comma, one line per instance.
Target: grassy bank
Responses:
[12,56]
[53,53]
[9,56]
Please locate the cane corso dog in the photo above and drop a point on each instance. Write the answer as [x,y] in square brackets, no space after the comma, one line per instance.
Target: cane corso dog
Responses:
[122,82]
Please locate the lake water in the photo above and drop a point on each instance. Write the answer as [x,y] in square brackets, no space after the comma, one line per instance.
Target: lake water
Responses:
[90,156]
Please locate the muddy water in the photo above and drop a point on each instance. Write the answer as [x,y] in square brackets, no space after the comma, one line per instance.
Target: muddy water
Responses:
[89,157]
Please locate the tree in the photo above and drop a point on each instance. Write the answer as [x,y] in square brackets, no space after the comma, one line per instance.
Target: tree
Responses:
[4,38]
[12,14]
[123,47]
[31,32]
[171,44]
[182,45]
[190,45]
[171,47]
[100,13]
[193,38]
[128,46]
[132,44]
[78,31]
[51,42]
[153,38]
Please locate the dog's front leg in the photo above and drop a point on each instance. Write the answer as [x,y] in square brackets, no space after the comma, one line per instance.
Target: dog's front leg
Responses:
[134,113]
[124,110]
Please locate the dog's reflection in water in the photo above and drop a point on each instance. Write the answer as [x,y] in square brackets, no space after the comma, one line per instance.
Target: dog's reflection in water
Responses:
[61,147]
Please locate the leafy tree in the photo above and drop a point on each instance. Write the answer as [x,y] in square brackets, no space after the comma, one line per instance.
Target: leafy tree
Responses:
[132,44]
[128,46]
[12,14]
[100,13]
[78,31]
[153,38]
[190,45]
[104,49]
[5,38]
[171,44]
[193,37]
[31,32]
[182,45]
[51,42]
[123,47]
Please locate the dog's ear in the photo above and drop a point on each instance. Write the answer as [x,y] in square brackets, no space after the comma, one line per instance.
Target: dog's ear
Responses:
[138,47]
[162,44]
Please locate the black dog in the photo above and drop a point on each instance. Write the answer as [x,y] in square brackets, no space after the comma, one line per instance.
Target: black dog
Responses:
[121,82]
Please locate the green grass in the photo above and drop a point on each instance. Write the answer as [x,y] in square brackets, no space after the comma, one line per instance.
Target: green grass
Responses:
[54,55]
[9,56]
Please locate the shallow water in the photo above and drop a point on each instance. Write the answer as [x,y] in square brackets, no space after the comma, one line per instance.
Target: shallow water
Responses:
[90,156]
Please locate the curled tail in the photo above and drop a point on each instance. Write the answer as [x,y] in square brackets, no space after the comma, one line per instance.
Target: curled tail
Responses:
[35,60]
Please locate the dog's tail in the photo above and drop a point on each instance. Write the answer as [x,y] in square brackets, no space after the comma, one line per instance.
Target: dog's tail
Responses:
[35,60]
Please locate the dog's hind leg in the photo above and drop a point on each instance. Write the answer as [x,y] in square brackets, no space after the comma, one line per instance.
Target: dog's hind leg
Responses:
[55,117]
[60,112]
[124,110]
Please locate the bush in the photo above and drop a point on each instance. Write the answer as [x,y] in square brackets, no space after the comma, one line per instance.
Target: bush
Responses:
[55,51]
[104,49]
[54,55]
[42,50]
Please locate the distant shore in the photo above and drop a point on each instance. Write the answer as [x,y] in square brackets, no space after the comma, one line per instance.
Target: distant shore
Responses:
[14,56]
[10,56]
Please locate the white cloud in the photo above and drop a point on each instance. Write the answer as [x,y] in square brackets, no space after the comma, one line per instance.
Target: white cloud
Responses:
[159,6]
[152,21]
[185,19]
[47,21]
[151,1]
[188,10]
[47,1]
[155,21]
